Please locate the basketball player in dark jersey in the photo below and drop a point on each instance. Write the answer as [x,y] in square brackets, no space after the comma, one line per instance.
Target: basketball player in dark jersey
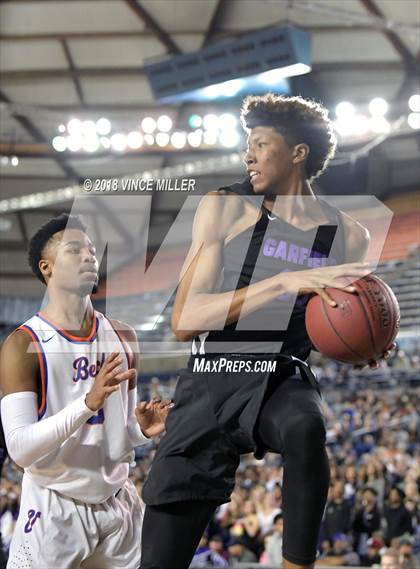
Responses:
[265,251]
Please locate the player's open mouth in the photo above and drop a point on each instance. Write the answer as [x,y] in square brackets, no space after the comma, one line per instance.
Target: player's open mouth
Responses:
[254,175]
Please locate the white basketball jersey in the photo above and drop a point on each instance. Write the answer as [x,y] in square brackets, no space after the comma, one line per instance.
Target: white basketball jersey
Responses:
[92,464]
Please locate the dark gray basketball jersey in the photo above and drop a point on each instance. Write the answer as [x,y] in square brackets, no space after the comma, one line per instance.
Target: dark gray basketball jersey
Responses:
[270,247]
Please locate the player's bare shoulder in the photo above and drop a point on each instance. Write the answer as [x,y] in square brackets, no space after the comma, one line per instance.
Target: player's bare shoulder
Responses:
[226,214]
[17,344]
[124,329]
[129,337]
[19,363]
[357,238]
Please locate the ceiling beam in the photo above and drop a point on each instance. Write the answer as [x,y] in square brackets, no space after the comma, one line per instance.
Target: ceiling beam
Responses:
[69,58]
[38,136]
[29,74]
[214,22]
[86,35]
[410,61]
[92,36]
[23,229]
[154,26]
[102,107]
[393,38]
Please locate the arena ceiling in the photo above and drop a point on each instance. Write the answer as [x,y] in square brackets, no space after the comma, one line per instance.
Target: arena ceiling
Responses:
[84,59]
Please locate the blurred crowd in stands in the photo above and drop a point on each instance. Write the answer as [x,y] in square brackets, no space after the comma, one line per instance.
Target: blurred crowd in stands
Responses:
[372,515]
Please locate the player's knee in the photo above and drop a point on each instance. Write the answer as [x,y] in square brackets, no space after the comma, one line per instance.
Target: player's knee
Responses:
[305,436]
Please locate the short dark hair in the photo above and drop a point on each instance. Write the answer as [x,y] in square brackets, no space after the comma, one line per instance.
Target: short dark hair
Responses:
[371,490]
[299,120]
[399,490]
[40,239]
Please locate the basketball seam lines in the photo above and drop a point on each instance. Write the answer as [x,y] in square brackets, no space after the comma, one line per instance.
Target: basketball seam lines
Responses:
[335,330]
[372,338]
[394,313]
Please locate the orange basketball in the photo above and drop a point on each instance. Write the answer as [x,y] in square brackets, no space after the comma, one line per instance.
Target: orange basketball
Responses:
[362,325]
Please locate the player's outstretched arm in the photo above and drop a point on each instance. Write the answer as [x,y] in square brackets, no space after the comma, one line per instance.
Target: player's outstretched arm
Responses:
[28,439]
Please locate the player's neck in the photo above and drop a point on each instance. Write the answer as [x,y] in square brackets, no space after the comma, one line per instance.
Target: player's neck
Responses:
[291,200]
[71,312]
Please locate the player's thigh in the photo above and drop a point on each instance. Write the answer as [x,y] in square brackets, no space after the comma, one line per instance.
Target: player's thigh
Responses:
[48,532]
[120,545]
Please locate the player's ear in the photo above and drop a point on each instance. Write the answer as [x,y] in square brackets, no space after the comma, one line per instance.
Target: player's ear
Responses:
[45,267]
[300,153]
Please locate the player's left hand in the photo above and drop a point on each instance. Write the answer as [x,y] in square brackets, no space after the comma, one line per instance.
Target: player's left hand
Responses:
[151,416]
[374,364]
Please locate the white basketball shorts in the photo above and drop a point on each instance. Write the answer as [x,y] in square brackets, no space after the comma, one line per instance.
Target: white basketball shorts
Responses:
[57,532]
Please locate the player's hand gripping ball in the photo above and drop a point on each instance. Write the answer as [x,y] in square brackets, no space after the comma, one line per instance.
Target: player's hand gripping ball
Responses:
[362,327]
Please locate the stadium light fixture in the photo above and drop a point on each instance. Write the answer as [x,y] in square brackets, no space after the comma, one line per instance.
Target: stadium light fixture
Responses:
[103,126]
[414,103]
[134,140]
[148,125]
[378,107]
[164,123]
[414,120]
[59,143]
[345,110]
[118,142]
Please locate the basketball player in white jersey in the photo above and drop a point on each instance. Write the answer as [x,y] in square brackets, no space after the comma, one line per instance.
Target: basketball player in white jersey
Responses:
[71,418]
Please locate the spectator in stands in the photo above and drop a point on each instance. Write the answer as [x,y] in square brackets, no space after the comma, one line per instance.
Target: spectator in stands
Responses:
[250,530]
[205,556]
[342,553]
[398,518]
[275,544]
[325,549]
[375,478]
[411,491]
[367,519]
[407,558]
[238,553]
[266,512]
[401,360]
[338,512]
[413,508]
[350,483]
[216,546]
[390,559]
[372,555]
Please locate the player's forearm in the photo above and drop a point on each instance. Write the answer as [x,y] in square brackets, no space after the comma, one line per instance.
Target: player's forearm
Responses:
[28,439]
[212,311]
[135,434]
